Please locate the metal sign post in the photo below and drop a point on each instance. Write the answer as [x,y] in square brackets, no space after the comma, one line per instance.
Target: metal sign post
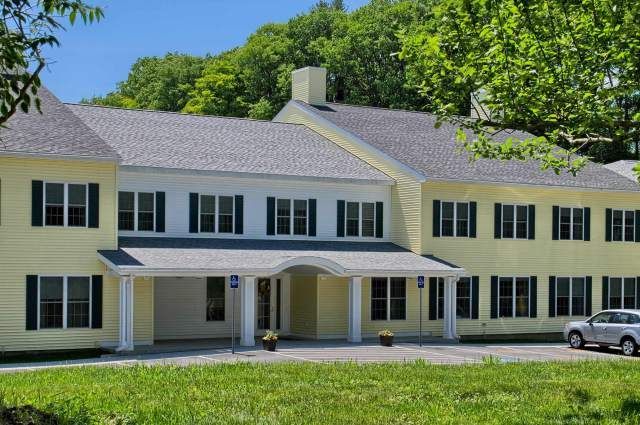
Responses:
[234,280]
[420,288]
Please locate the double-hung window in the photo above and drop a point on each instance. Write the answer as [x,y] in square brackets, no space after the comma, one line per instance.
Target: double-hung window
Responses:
[570,296]
[292,216]
[388,298]
[207,213]
[126,211]
[65,204]
[136,211]
[515,221]
[464,301]
[215,212]
[360,219]
[454,219]
[513,297]
[215,298]
[64,302]
[623,225]
[571,224]
[225,214]
[146,203]
[622,292]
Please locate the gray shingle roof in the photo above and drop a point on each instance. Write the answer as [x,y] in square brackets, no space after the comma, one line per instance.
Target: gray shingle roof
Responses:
[236,255]
[57,131]
[207,143]
[624,168]
[411,138]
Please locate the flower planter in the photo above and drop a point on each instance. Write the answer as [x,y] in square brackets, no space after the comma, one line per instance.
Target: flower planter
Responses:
[386,341]
[269,345]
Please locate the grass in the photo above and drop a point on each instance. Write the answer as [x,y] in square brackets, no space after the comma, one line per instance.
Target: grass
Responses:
[287,393]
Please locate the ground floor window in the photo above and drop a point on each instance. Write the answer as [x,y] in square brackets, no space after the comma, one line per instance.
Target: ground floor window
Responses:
[570,296]
[622,292]
[464,299]
[388,298]
[215,298]
[64,302]
[513,297]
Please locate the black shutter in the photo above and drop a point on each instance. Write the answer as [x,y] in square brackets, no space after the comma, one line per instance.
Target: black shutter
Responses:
[497,221]
[637,225]
[193,212]
[605,292]
[533,296]
[433,298]
[532,221]
[160,211]
[552,296]
[271,215]
[96,301]
[32,302]
[312,217]
[473,214]
[494,297]
[37,188]
[436,218]
[637,292]
[587,224]
[555,232]
[94,205]
[238,214]
[475,296]
[588,294]
[340,219]
[608,223]
[379,219]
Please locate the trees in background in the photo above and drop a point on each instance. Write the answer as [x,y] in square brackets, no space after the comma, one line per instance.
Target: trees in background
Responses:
[26,26]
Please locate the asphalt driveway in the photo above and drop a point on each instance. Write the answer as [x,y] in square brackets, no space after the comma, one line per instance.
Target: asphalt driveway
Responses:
[322,351]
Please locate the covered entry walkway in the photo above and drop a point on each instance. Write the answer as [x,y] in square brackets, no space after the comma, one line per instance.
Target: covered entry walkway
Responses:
[253,260]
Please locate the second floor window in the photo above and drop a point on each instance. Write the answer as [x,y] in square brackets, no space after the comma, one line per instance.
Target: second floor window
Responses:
[454,219]
[623,225]
[360,219]
[136,211]
[515,221]
[283,216]
[146,203]
[65,204]
[292,217]
[215,214]
[126,211]
[571,223]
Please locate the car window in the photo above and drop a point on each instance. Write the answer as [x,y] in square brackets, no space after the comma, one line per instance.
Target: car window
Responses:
[601,318]
[633,319]
[619,318]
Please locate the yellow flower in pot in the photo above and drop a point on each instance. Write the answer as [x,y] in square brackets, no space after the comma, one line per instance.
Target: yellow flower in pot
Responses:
[386,338]
[269,341]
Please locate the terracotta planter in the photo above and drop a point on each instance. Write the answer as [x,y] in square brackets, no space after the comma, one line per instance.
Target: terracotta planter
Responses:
[386,341]
[269,345]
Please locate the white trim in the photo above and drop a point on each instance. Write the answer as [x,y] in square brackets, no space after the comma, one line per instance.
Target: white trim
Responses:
[136,211]
[248,175]
[65,204]
[455,218]
[514,222]
[65,301]
[360,218]
[571,223]
[353,138]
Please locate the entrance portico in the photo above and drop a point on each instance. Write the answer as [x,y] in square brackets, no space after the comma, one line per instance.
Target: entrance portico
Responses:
[267,270]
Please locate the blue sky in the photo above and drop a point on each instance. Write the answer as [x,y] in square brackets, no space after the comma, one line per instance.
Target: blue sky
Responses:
[93,58]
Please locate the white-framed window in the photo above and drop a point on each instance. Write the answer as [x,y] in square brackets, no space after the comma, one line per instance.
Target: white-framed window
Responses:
[65,204]
[207,213]
[215,298]
[464,298]
[513,297]
[216,213]
[388,298]
[136,211]
[292,216]
[360,219]
[623,292]
[64,302]
[571,296]
[571,224]
[454,219]
[515,221]
[225,213]
[623,225]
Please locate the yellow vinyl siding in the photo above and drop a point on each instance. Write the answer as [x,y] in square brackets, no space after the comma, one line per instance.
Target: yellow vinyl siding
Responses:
[142,311]
[485,256]
[52,251]
[405,194]
[304,306]
[333,306]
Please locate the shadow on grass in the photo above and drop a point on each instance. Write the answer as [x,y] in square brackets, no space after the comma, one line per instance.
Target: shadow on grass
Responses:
[24,415]
[630,408]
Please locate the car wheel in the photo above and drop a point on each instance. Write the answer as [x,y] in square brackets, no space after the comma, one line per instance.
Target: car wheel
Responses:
[629,346]
[575,340]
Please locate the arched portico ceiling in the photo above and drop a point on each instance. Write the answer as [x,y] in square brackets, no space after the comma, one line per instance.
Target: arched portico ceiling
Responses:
[321,263]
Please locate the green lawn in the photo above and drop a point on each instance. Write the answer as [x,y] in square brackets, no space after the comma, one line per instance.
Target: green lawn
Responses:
[411,393]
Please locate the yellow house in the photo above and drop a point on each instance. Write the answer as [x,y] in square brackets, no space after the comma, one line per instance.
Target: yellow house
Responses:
[121,228]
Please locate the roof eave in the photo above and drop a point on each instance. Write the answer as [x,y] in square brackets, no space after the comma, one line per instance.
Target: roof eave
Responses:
[55,156]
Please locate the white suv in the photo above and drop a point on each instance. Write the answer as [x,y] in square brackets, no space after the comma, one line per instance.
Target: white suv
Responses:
[607,328]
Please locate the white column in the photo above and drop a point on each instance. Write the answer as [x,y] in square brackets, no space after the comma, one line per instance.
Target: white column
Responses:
[126,314]
[449,323]
[354,333]
[247,311]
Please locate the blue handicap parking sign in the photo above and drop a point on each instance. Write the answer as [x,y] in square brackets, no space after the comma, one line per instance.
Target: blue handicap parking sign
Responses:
[234,280]
[420,282]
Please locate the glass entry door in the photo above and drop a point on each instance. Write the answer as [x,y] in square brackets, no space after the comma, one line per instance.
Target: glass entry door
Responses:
[264,303]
